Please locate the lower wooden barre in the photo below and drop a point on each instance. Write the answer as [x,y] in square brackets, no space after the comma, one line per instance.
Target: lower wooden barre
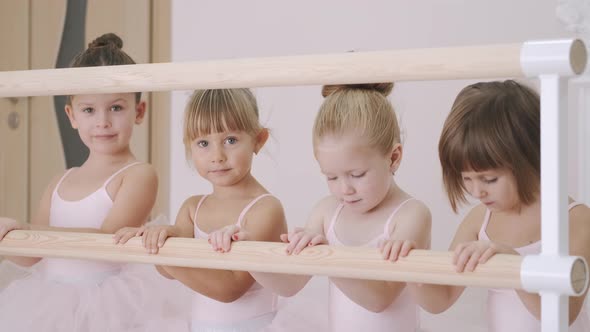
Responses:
[421,266]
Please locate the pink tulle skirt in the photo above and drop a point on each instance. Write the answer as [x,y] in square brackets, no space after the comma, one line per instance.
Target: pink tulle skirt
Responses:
[125,298]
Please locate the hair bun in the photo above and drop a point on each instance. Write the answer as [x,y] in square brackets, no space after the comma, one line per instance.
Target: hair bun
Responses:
[383,88]
[106,40]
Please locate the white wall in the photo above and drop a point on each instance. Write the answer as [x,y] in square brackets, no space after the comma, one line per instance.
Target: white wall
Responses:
[218,29]
[235,29]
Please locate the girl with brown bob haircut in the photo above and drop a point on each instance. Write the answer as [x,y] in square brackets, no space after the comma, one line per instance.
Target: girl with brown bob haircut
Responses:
[490,149]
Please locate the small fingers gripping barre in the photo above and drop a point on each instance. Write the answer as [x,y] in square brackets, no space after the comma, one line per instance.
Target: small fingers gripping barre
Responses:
[420,266]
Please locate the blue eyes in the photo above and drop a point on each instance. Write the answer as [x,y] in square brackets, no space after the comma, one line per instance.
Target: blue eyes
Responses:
[229,140]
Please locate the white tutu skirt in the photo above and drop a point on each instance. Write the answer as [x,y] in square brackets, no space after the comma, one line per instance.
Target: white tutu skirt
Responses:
[76,295]
[134,298]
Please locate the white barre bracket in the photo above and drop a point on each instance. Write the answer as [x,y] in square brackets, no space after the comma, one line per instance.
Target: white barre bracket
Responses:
[563,275]
[565,57]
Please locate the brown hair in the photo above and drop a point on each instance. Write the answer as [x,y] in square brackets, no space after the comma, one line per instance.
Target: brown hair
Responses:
[359,107]
[105,50]
[492,125]
[217,110]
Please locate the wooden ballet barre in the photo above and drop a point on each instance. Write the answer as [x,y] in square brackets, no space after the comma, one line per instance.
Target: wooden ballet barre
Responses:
[474,62]
[421,266]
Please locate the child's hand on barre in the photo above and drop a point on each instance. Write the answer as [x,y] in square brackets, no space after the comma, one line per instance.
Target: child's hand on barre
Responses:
[392,250]
[221,239]
[8,224]
[301,238]
[469,254]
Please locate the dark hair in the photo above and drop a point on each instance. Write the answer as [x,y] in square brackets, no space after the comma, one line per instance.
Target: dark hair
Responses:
[105,50]
[492,125]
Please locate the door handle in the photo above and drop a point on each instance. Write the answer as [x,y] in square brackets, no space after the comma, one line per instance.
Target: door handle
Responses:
[13,120]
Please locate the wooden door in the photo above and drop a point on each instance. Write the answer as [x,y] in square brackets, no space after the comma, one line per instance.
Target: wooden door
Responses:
[31,147]
[14,115]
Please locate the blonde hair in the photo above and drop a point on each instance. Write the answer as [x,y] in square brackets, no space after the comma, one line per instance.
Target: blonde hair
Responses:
[361,108]
[492,125]
[218,110]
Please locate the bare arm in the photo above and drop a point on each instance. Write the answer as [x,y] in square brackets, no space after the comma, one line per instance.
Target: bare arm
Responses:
[289,284]
[438,298]
[154,237]
[131,206]
[413,222]
[132,203]
[579,246]
[40,220]
[134,200]
[264,222]
[282,284]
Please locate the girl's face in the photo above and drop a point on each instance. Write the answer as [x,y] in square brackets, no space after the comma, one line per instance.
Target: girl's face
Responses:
[357,174]
[496,188]
[105,122]
[225,158]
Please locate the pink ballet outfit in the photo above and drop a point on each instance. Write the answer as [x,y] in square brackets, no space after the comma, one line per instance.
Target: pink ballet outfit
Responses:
[253,311]
[345,315]
[90,296]
[505,310]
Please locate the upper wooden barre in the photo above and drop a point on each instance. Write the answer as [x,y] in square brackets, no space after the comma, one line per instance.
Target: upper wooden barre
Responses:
[491,61]
[421,266]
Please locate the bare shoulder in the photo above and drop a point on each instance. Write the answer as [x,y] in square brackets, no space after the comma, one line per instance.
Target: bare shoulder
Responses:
[52,185]
[41,216]
[469,228]
[412,221]
[323,210]
[270,202]
[414,211]
[474,219]
[267,214]
[138,181]
[189,205]
[143,172]
[269,207]
[54,180]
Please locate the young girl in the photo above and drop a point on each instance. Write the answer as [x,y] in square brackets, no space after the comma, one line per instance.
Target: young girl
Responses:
[222,133]
[490,149]
[356,142]
[109,191]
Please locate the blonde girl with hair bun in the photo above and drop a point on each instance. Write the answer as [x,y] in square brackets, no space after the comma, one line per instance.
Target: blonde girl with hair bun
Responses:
[356,142]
